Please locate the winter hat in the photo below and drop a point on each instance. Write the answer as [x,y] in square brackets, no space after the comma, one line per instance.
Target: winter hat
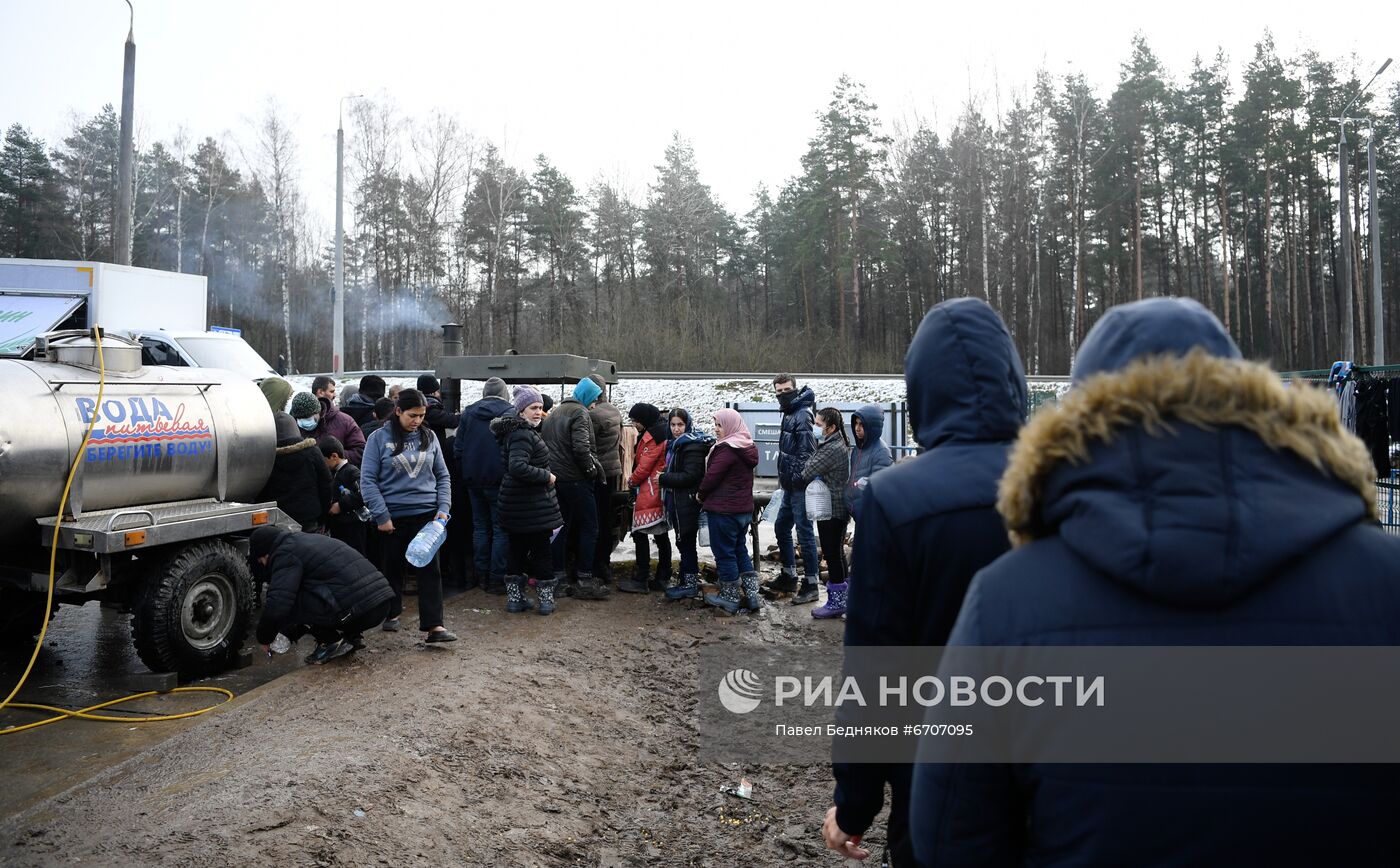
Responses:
[263,540]
[1154,327]
[428,384]
[304,405]
[277,391]
[547,401]
[288,434]
[372,387]
[644,413]
[524,397]
[587,391]
[496,388]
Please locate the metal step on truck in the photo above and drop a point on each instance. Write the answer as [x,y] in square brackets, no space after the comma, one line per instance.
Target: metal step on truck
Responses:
[161,503]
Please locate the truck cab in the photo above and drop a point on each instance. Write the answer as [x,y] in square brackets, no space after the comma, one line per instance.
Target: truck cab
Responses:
[194,349]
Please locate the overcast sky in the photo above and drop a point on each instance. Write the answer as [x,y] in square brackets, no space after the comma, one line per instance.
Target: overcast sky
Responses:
[600,86]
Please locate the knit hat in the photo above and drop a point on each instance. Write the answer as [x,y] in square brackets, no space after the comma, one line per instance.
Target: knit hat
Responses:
[288,434]
[587,391]
[304,405]
[524,397]
[276,390]
[647,414]
[496,388]
[547,401]
[428,384]
[263,540]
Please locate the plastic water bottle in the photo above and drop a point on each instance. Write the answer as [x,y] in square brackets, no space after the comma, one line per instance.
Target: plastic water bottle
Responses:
[427,542]
[280,645]
[363,513]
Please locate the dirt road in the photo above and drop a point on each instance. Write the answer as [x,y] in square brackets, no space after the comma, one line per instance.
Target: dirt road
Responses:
[567,740]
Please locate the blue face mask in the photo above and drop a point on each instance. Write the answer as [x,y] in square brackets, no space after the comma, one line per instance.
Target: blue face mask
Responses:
[307,424]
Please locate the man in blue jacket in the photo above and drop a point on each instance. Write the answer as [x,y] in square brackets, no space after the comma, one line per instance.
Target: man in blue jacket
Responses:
[1178,495]
[478,460]
[926,526]
[796,444]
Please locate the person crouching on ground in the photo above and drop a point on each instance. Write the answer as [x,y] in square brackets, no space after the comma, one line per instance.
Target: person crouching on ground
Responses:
[529,508]
[405,484]
[318,585]
[685,467]
[648,513]
[831,464]
[726,495]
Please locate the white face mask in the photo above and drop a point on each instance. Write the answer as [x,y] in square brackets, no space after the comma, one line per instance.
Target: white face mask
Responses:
[818,431]
[307,424]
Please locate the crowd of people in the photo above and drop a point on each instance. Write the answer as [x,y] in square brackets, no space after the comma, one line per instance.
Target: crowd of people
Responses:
[371,466]
[1178,494]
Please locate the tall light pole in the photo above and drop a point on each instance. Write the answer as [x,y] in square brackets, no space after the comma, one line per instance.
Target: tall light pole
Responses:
[1378,320]
[122,241]
[1344,272]
[338,292]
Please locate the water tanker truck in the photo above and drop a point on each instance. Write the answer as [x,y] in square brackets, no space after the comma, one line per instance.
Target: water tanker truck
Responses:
[160,506]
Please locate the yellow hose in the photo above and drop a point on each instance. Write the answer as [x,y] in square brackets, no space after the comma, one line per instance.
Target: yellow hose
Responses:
[83,714]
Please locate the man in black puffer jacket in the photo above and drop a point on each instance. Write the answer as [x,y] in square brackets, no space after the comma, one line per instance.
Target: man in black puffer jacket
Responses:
[300,482]
[318,585]
[796,444]
[1177,495]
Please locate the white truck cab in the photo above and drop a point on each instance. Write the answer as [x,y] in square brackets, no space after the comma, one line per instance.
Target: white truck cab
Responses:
[165,311]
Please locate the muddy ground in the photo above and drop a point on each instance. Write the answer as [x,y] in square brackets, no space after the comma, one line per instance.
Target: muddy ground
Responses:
[567,740]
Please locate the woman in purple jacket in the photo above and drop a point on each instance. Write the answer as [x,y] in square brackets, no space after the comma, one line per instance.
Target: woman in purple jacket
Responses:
[726,494]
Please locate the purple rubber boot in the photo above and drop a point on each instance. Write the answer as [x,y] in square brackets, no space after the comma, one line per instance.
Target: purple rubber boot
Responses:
[835,605]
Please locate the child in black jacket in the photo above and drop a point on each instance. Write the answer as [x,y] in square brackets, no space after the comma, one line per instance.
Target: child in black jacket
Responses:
[344,522]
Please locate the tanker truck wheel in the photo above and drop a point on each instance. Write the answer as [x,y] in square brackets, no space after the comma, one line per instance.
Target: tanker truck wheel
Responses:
[194,611]
[21,616]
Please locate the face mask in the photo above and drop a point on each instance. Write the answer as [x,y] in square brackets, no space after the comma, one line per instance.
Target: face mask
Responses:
[818,431]
[306,424]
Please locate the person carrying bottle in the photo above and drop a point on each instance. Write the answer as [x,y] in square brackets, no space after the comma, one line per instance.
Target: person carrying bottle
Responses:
[406,485]
[347,516]
[831,463]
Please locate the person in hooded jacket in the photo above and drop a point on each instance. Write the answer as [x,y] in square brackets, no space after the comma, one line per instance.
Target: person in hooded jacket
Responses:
[360,406]
[478,459]
[869,454]
[926,526]
[830,463]
[1177,495]
[686,452]
[607,438]
[300,482]
[573,459]
[277,391]
[334,422]
[319,585]
[796,443]
[726,495]
[648,512]
[439,419]
[529,509]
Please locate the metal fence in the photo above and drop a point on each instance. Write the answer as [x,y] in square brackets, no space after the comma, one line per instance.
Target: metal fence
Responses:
[1388,502]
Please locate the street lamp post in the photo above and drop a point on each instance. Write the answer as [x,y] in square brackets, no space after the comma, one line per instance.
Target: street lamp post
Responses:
[125,157]
[338,292]
[1378,321]
[1344,262]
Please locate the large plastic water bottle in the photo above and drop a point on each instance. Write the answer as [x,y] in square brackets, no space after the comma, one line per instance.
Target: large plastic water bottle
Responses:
[427,542]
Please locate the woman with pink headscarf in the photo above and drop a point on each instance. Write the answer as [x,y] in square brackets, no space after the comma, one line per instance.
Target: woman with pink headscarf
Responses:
[726,494]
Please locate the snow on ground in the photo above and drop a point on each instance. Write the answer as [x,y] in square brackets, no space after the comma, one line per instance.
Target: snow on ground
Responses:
[703,397]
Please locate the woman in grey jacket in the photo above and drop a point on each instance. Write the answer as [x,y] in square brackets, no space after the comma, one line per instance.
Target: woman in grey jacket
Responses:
[831,463]
[405,483]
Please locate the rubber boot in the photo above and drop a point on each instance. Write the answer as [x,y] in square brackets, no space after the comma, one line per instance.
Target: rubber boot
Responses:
[727,600]
[589,588]
[662,580]
[835,607]
[546,592]
[688,589]
[516,601]
[748,591]
[807,593]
